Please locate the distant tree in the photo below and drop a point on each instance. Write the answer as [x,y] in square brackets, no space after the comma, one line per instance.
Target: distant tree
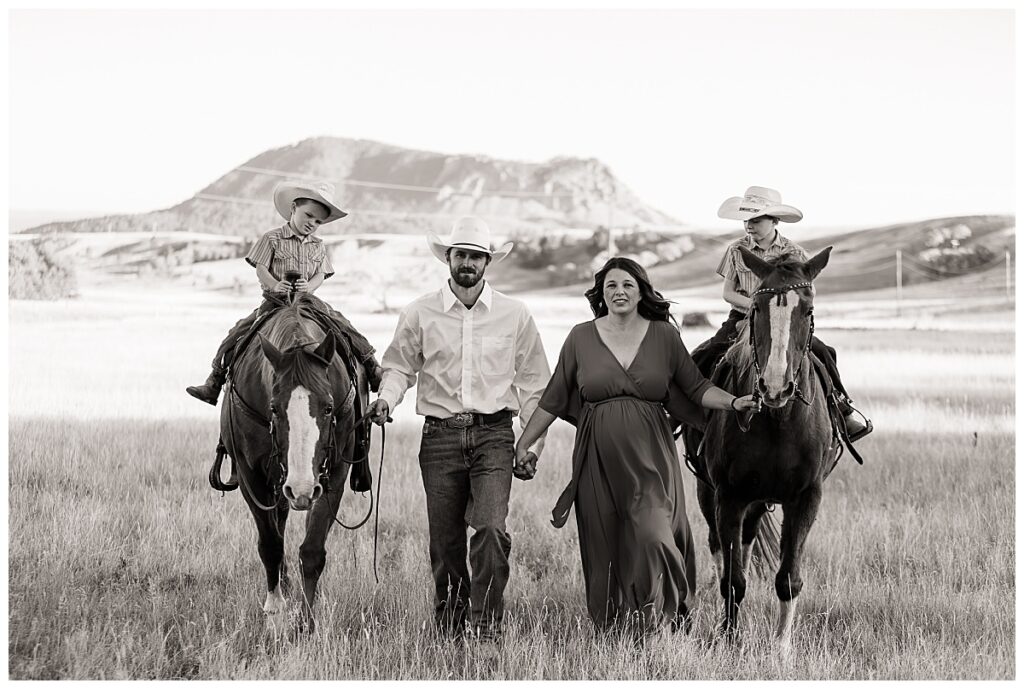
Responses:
[35,273]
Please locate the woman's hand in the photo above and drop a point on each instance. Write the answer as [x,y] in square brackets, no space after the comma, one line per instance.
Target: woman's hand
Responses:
[745,403]
[525,467]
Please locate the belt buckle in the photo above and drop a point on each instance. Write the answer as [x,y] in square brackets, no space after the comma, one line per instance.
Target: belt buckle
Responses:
[461,420]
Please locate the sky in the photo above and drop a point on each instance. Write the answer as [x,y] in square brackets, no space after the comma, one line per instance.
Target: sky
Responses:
[859,117]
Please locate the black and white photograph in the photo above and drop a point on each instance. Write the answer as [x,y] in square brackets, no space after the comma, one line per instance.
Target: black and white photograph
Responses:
[492,343]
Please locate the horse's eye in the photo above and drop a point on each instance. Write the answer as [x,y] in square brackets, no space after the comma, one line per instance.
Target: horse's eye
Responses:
[328,409]
[274,410]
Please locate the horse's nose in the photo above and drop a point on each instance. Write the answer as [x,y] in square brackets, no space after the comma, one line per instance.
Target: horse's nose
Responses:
[300,502]
[790,389]
[761,386]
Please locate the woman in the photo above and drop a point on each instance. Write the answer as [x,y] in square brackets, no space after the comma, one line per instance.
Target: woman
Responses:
[616,376]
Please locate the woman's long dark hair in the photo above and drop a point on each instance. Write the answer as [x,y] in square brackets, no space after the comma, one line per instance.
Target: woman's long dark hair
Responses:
[652,306]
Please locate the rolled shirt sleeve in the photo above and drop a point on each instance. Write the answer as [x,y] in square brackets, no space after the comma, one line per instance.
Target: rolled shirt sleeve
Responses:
[402,360]
[261,253]
[532,373]
[326,267]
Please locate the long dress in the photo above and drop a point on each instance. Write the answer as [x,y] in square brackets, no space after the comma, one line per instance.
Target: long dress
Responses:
[635,540]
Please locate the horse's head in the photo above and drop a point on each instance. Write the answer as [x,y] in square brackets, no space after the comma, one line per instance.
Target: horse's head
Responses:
[781,321]
[302,413]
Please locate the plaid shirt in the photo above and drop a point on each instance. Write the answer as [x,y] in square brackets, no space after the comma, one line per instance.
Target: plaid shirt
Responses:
[733,269]
[281,250]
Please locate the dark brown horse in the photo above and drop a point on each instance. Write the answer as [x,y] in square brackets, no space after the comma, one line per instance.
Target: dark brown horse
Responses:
[287,423]
[779,455]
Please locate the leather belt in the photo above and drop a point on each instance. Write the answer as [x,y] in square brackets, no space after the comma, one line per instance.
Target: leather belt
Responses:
[466,419]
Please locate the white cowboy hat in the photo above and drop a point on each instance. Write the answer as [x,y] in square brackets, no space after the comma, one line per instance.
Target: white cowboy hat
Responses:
[286,193]
[467,233]
[758,201]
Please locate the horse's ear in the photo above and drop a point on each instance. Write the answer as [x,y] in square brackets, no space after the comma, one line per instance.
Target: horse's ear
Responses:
[325,351]
[818,263]
[270,351]
[761,268]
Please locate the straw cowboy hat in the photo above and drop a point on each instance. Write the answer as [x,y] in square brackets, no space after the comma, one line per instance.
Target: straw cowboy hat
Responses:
[467,233]
[286,193]
[758,201]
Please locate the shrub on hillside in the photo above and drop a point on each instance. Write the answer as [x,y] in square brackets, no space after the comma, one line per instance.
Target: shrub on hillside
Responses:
[35,273]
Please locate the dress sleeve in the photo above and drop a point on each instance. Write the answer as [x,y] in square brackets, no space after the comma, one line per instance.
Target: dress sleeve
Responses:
[685,374]
[562,395]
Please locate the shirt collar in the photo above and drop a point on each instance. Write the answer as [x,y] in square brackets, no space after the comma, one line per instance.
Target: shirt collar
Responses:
[288,233]
[448,298]
[777,240]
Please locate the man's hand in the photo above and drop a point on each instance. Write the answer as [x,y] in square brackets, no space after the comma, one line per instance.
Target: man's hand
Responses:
[525,467]
[302,285]
[379,412]
[282,287]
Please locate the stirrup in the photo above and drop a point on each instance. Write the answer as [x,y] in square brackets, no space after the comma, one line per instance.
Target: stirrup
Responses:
[215,481]
[868,427]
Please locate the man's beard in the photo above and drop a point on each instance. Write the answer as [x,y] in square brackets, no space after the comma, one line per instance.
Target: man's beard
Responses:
[466,279]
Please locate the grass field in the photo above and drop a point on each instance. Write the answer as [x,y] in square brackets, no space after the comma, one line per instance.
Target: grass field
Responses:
[125,565]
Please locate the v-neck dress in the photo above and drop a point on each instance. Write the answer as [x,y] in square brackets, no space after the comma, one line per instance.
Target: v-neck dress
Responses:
[635,540]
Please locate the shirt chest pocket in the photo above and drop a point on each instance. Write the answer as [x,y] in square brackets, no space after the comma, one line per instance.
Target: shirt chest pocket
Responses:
[744,275]
[497,357]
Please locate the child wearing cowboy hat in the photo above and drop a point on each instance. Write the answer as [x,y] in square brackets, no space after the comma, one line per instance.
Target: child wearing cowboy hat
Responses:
[761,209]
[290,258]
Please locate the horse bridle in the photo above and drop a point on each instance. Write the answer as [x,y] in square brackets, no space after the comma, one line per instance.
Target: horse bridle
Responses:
[330,454]
[780,300]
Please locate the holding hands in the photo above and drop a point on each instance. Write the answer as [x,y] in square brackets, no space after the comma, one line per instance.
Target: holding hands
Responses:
[525,467]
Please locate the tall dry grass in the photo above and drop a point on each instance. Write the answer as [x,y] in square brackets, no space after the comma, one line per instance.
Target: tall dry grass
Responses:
[125,564]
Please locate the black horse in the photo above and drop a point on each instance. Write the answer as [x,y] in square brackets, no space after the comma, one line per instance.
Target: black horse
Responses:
[290,422]
[780,455]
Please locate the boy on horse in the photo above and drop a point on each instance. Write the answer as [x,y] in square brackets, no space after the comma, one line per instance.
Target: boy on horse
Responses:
[761,209]
[289,259]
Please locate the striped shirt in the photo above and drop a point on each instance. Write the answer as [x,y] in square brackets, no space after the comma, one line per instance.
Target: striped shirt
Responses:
[281,250]
[483,359]
[733,269]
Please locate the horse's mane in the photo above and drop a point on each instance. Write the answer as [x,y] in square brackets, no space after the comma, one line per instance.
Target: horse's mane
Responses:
[290,327]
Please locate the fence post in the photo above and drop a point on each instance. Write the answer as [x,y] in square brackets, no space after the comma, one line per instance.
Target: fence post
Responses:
[1009,277]
[899,282]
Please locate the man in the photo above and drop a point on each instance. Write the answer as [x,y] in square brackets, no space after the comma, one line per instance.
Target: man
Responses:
[761,209]
[477,360]
[290,258]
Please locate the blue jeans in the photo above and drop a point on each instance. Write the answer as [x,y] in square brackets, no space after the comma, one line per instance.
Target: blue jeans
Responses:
[467,476]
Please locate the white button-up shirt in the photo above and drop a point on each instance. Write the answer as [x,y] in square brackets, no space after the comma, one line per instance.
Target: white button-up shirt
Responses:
[482,360]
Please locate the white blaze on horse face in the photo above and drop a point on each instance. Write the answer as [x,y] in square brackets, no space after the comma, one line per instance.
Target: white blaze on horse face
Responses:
[302,436]
[775,369]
